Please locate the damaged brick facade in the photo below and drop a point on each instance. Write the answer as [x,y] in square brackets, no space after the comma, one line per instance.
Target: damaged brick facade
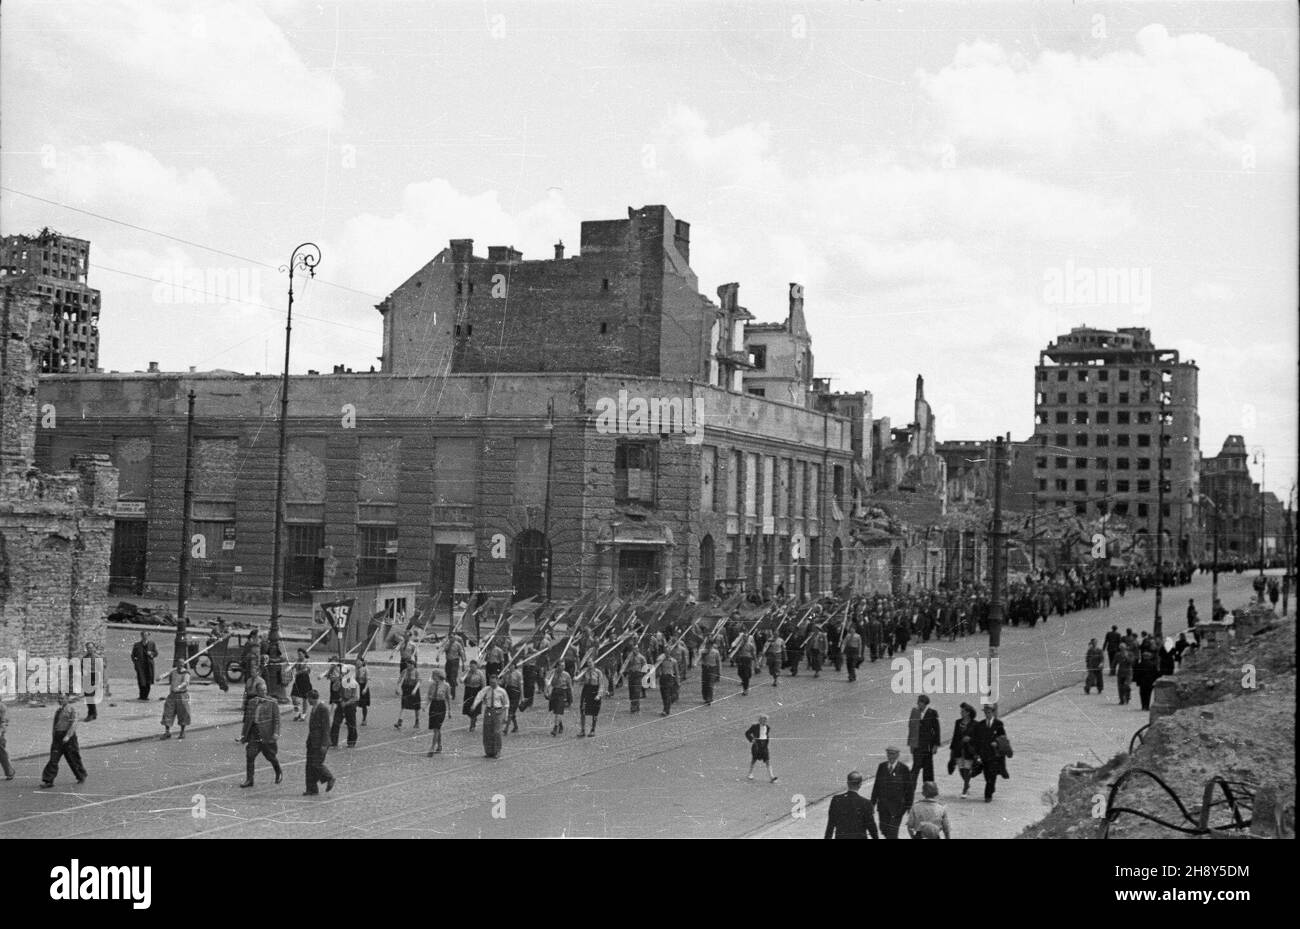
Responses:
[56,529]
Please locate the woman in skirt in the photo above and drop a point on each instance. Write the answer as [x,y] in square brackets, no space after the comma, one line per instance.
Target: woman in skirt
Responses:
[963,747]
[301,685]
[559,694]
[439,703]
[363,688]
[474,681]
[409,687]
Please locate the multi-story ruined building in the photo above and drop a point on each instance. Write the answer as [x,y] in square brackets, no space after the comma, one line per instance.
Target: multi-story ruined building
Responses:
[573,423]
[1099,401]
[56,266]
[781,355]
[1229,504]
[56,529]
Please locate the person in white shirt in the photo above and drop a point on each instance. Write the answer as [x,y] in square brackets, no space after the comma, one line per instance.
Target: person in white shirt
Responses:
[759,736]
[495,703]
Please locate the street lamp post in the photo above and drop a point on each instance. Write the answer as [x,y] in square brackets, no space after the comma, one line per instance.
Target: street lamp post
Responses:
[1263,471]
[306,256]
[1157,625]
[995,586]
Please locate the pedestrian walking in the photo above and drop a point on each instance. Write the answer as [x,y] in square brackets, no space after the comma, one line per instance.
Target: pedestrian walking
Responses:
[891,793]
[1144,675]
[5,766]
[852,646]
[759,737]
[513,682]
[1124,673]
[474,682]
[63,743]
[453,657]
[710,670]
[493,659]
[408,687]
[850,815]
[635,678]
[815,648]
[494,702]
[559,694]
[1112,642]
[301,672]
[177,707]
[593,690]
[362,676]
[928,818]
[774,652]
[1092,664]
[924,736]
[667,680]
[318,730]
[144,654]
[745,653]
[964,753]
[90,682]
[261,733]
[346,708]
[993,748]
[439,703]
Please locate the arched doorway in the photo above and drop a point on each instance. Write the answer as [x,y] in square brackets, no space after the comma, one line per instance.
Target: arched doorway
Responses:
[531,556]
[837,564]
[706,568]
[896,571]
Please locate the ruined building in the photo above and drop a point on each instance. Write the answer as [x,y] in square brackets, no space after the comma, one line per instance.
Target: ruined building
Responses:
[56,529]
[56,266]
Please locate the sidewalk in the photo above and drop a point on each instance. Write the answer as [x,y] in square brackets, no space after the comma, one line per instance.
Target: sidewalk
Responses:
[122,718]
[1048,734]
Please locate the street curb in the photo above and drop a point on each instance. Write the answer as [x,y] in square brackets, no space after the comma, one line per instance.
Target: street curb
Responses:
[145,738]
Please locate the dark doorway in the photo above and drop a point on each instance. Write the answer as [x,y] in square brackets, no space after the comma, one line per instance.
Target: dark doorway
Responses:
[304,569]
[837,564]
[531,560]
[706,569]
[638,571]
[130,551]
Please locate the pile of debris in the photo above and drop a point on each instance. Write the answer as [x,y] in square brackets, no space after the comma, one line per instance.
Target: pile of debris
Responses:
[1228,713]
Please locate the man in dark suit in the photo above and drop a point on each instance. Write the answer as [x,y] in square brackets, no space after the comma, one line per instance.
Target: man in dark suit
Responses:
[891,794]
[318,743]
[987,731]
[850,814]
[923,738]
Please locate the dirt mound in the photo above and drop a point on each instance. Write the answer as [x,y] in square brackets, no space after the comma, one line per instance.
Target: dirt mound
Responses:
[1237,722]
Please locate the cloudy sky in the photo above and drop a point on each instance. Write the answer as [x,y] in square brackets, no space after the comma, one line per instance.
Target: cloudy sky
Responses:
[930,172]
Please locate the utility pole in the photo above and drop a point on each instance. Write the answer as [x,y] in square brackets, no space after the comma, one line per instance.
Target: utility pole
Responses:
[1259,458]
[1157,625]
[187,517]
[1033,536]
[995,586]
[546,506]
[306,256]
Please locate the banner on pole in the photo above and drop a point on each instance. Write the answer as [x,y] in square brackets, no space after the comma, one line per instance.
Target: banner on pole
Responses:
[338,613]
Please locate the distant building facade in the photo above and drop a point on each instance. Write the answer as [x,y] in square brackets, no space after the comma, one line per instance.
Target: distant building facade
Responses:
[56,266]
[1097,409]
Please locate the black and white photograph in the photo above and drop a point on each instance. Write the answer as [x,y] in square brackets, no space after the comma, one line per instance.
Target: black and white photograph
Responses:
[786,419]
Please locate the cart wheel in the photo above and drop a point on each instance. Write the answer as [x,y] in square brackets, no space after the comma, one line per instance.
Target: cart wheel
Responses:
[203,667]
[234,671]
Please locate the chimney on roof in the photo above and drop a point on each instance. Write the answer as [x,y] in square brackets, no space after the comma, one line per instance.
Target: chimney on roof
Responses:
[559,250]
[728,294]
[193,368]
[153,367]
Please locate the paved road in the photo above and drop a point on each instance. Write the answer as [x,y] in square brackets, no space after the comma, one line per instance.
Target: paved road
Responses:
[643,776]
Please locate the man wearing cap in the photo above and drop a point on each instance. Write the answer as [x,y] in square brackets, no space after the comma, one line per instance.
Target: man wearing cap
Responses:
[850,813]
[495,702]
[318,741]
[891,794]
[261,732]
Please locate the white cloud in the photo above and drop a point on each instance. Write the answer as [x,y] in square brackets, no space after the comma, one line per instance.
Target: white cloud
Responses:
[1190,89]
[123,181]
[215,58]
